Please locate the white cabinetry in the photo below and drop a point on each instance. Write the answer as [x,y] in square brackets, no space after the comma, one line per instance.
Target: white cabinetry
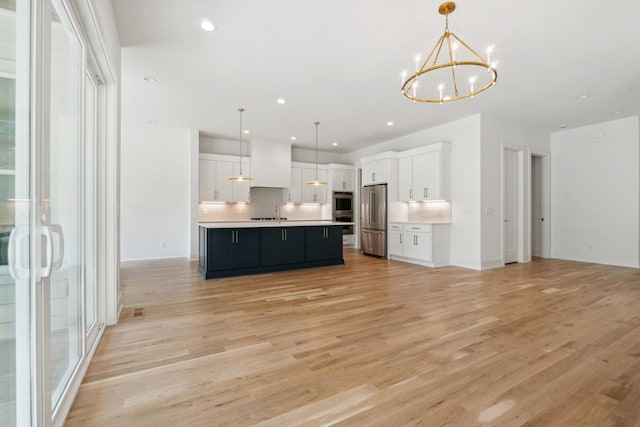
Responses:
[375,172]
[424,173]
[395,239]
[341,179]
[300,192]
[419,243]
[214,184]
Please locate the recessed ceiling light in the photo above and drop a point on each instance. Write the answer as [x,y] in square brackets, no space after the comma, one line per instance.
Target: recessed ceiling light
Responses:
[293,138]
[152,122]
[281,101]
[390,123]
[246,131]
[335,144]
[617,112]
[150,79]
[564,125]
[583,96]
[207,25]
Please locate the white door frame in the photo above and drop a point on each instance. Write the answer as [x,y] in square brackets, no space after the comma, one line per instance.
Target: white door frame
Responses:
[545,199]
[523,196]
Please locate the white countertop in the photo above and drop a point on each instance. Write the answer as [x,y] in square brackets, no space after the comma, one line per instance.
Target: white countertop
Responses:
[263,224]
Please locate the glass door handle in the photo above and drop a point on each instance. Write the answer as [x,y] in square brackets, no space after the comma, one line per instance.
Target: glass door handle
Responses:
[46,270]
[57,229]
[16,268]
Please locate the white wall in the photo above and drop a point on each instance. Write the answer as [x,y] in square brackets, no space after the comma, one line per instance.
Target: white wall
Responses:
[595,190]
[156,188]
[497,133]
[464,135]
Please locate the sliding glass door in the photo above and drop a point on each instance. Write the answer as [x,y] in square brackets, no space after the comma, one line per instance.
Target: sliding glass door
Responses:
[49,117]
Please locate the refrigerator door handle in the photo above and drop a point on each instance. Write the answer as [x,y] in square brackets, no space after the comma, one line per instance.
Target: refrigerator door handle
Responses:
[372,206]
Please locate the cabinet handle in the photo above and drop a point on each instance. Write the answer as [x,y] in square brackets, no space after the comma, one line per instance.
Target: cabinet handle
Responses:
[415,239]
[289,196]
[285,234]
[215,195]
[282,234]
[401,239]
[344,185]
[237,236]
[315,197]
[373,176]
[411,193]
[426,191]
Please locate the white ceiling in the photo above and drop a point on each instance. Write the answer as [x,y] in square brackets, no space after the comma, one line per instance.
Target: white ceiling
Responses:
[339,62]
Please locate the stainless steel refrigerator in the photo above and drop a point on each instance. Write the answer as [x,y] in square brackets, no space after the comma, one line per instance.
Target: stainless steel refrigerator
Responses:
[373,239]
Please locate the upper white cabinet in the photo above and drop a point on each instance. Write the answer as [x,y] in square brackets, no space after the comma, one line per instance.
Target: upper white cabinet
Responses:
[424,173]
[341,177]
[300,192]
[214,173]
[375,172]
[380,169]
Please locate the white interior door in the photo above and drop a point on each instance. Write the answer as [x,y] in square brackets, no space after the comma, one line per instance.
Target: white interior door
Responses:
[537,216]
[510,212]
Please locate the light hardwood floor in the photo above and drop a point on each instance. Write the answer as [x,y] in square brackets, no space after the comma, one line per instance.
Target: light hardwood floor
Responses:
[373,342]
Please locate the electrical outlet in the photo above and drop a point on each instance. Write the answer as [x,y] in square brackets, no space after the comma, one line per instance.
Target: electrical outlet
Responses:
[163,244]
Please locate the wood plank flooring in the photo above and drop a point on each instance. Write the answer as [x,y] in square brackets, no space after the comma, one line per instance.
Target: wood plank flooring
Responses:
[373,342]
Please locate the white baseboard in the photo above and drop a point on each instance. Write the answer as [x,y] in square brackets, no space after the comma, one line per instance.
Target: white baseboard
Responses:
[492,263]
[631,263]
[153,255]
[464,263]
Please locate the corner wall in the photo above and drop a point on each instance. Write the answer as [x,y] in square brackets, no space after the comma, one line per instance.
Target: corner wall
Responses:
[595,193]
[496,134]
[464,135]
[156,192]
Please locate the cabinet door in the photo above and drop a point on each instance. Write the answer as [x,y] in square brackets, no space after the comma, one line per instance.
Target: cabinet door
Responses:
[395,242]
[207,180]
[324,243]
[220,244]
[343,180]
[375,172]
[224,187]
[246,252]
[294,248]
[417,245]
[240,190]
[295,191]
[431,180]
[313,193]
[405,179]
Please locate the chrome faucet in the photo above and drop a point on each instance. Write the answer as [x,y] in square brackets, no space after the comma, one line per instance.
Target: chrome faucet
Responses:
[278,212]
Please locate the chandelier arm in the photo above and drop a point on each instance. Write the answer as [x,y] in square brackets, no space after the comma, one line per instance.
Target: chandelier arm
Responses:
[453,67]
[470,49]
[439,42]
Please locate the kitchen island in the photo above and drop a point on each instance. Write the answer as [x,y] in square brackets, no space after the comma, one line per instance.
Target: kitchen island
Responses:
[250,247]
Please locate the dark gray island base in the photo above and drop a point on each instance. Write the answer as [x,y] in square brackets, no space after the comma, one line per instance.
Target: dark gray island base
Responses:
[232,251]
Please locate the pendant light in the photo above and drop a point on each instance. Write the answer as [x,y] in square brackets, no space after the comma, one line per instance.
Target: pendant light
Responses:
[240,177]
[316,182]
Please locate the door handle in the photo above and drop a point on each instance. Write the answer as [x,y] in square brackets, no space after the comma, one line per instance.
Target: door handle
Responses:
[46,270]
[401,239]
[18,234]
[57,229]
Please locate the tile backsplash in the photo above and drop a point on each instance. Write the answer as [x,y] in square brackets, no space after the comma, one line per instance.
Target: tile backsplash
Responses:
[429,212]
[262,204]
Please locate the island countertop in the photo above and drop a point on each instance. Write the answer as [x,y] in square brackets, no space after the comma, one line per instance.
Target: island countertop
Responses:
[265,224]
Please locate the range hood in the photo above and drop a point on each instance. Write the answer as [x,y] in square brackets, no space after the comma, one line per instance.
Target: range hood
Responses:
[270,163]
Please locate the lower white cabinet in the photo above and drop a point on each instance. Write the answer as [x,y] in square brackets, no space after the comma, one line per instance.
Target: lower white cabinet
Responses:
[420,243]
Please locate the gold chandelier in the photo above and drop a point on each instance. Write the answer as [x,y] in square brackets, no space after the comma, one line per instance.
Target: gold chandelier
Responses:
[316,181]
[240,177]
[461,72]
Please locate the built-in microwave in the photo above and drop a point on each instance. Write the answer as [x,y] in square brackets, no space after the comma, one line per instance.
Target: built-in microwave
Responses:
[342,203]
